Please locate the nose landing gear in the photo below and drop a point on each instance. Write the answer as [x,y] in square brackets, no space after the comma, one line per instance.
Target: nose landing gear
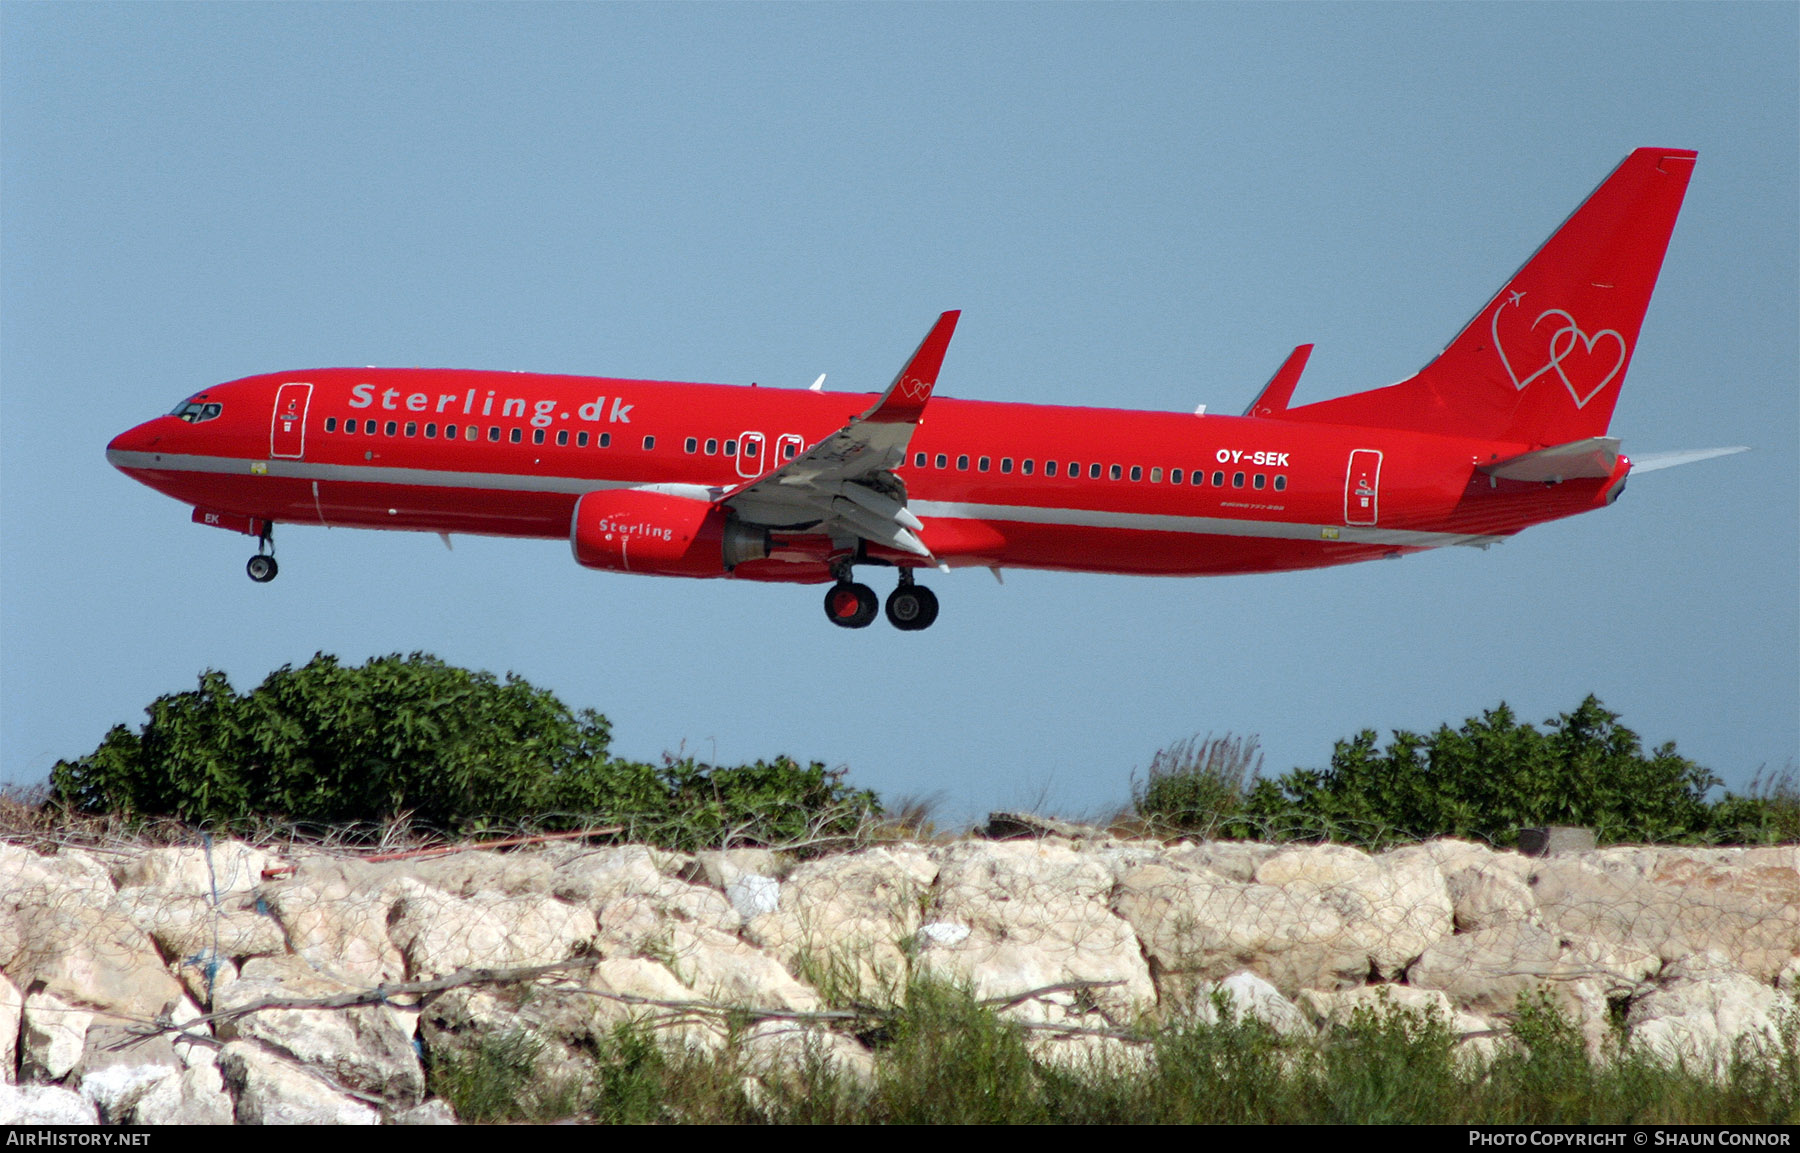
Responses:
[262,567]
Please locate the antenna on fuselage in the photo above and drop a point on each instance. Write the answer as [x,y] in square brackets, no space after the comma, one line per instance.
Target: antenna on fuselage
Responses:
[817,384]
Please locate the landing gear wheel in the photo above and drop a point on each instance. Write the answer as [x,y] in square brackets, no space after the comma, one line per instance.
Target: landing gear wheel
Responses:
[262,568]
[912,607]
[849,605]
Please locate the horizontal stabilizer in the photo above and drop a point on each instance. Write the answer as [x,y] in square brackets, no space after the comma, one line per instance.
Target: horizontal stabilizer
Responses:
[1595,456]
[1656,460]
[1273,399]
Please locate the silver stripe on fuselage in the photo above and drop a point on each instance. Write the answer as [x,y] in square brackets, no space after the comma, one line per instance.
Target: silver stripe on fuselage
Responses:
[952,510]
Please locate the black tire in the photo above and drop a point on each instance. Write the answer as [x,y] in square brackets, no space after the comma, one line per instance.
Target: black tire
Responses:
[262,568]
[851,606]
[911,608]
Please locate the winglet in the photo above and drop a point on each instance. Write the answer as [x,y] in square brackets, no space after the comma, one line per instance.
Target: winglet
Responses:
[904,400]
[1273,399]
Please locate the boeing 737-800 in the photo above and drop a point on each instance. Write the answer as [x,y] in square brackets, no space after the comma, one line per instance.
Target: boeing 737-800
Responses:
[1506,428]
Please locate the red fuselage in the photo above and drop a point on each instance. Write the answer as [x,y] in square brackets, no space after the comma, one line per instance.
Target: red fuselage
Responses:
[1003,485]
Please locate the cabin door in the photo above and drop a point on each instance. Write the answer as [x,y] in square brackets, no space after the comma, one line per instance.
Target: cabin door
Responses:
[1362,487]
[287,428]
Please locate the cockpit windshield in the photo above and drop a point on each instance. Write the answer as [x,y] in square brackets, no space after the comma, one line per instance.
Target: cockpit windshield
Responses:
[197,409]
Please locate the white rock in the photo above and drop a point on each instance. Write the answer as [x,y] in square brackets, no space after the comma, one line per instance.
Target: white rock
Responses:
[44,1105]
[192,926]
[943,933]
[91,954]
[849,920]
[1483,898]
[231,867]
[53,1037]
[272,1091]
[503,874]
[363,1047]
[752,895]
[192,1097]
[1704,1011]
[1198,927]
[1038,916]
[116,1089]
[1247,995]
[436,1111]
[341,933]
[439,934]
[12,1014]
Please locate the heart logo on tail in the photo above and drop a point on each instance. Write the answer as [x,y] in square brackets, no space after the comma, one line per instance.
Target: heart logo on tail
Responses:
[1585,363]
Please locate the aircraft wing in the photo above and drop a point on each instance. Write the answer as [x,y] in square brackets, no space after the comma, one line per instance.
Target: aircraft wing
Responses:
[845,483]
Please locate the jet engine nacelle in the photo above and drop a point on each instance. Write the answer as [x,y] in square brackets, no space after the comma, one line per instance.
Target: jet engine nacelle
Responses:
[660,534]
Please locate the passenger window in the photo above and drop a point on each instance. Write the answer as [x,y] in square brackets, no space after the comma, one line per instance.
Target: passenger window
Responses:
[1260,480]
[331,424]
[943,461]
[562,438]
[412,428]
[1025,466]
[537,436]
[581,440]
[431,430]
[1156,476]
[1237,480]
[1174,476]
[1049,468]
[516,436]
[918,459]
[1281,483]
[393,426]
[712,446]
[606,440]
[984,462]
[1113,472]
[1218,480]
[790,448]
[962,463]
[1137,472]
[649,443]
[1006,464]
[691,444]
[731,448]
[1094,471]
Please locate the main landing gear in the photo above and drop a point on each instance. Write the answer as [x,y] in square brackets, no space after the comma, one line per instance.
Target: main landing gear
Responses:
[262,567]
[910,607]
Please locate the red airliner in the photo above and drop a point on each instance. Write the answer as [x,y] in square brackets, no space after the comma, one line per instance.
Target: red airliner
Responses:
[1506,428]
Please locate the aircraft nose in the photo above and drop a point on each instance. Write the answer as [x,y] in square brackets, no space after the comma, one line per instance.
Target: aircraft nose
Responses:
[131,441]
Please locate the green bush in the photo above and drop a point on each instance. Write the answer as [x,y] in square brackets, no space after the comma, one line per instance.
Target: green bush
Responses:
[1487,780]
[449,748]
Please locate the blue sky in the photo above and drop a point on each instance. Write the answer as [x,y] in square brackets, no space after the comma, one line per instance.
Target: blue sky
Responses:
[1140,206]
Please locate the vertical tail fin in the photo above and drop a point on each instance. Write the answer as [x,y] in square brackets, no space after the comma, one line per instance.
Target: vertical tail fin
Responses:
[1543,361]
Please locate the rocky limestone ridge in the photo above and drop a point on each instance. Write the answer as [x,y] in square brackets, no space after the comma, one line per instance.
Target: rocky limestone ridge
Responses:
[235,983]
